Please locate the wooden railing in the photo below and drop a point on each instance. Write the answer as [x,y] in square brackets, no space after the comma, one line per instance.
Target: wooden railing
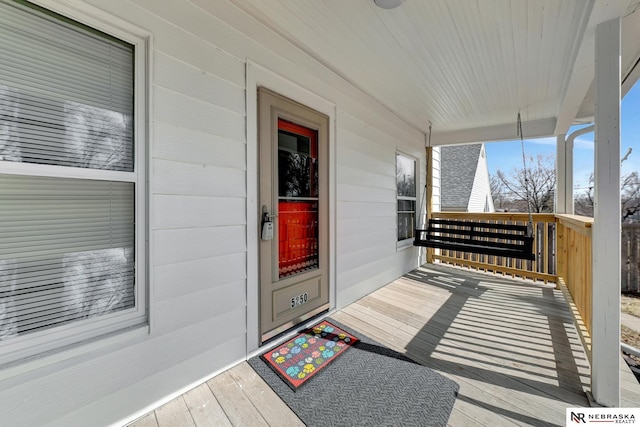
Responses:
[574,270]
[562,247]
[544,266]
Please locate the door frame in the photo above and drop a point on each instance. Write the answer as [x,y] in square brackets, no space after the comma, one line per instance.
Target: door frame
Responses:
[259,76]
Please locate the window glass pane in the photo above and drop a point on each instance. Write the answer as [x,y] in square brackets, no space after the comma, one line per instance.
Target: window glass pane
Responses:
[298,217]
[66,92]
[66,251]
[406,219]
[297,165]
[298,237]
[406,176]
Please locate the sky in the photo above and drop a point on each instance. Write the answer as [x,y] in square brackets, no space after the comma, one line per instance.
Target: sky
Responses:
[507,155]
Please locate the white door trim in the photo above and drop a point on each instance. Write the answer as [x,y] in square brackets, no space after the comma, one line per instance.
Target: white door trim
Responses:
[256,76]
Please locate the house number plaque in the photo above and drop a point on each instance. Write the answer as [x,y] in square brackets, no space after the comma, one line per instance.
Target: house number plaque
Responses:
[299,300]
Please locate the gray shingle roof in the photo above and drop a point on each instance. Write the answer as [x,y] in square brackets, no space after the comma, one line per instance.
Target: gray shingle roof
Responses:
[458,166]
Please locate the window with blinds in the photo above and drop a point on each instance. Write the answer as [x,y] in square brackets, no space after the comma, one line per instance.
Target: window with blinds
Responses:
[69,183]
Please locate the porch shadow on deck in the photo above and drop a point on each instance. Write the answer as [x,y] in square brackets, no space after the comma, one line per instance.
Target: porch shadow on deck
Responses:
[509,344]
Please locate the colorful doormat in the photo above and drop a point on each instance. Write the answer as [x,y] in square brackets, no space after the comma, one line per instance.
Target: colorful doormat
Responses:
[303,356]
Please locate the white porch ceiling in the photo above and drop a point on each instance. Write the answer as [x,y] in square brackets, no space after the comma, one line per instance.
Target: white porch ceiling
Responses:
[467,67]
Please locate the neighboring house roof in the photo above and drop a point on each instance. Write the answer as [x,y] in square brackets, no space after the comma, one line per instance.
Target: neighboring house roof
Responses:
[458,172]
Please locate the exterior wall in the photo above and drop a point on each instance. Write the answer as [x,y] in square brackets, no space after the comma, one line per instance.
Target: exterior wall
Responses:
[367,255]
[481,190]
[199,246]
[437,188]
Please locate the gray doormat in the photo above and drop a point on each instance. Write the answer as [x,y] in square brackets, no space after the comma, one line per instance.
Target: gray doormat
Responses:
[368,385]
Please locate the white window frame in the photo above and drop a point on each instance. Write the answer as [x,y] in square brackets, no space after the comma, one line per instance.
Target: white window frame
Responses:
[18,348]
[404,243]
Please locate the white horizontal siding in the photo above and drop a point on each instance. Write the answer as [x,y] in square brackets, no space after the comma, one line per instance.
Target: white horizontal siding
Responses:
[197,83]
[78,383]
[197,218]
[481,190]
[436,200]
[185,310]
[220,270]
[367,204]
[173,211]
[179,245]
[190,179]
[189,146]
[192,113]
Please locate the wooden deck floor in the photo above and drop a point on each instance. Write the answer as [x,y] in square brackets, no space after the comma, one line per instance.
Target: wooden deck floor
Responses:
[510,345]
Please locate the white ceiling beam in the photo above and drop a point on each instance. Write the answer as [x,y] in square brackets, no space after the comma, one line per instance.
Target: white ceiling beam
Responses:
[532,129]
[583,69]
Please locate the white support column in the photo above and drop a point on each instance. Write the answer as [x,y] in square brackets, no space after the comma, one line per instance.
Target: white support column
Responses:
[605,331]
[562,186]
[564,150]
[568,175]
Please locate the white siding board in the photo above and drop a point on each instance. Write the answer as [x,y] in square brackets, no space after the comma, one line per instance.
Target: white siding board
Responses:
[180,312]
[183,278]
[364,226]
[195,211]
[348,156]
[150,390]
[366,147]
[180,77]
[351,174]
[172,246]
[361,193]
[198,180]
[111,372]
[365,254]
[353,210]
[363,280]
[481,190]
[436,179]
[181,110]
[190,146]
[205,56]
[373,132]
[375,237]
[179,42]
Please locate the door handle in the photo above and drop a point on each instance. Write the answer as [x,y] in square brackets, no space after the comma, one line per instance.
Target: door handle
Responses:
[267,224]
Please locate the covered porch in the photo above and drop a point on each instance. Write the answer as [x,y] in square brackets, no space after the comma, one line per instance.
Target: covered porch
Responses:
[524,340]
[510,344]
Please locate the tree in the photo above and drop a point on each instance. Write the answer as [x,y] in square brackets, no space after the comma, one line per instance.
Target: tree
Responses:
[629,196]
[501,201]
[531,188]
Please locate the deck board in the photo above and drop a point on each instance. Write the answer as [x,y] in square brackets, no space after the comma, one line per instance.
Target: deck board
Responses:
[174,413]
[235,403]
[204,407]
[266,401]
[510,344]
[148,420]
